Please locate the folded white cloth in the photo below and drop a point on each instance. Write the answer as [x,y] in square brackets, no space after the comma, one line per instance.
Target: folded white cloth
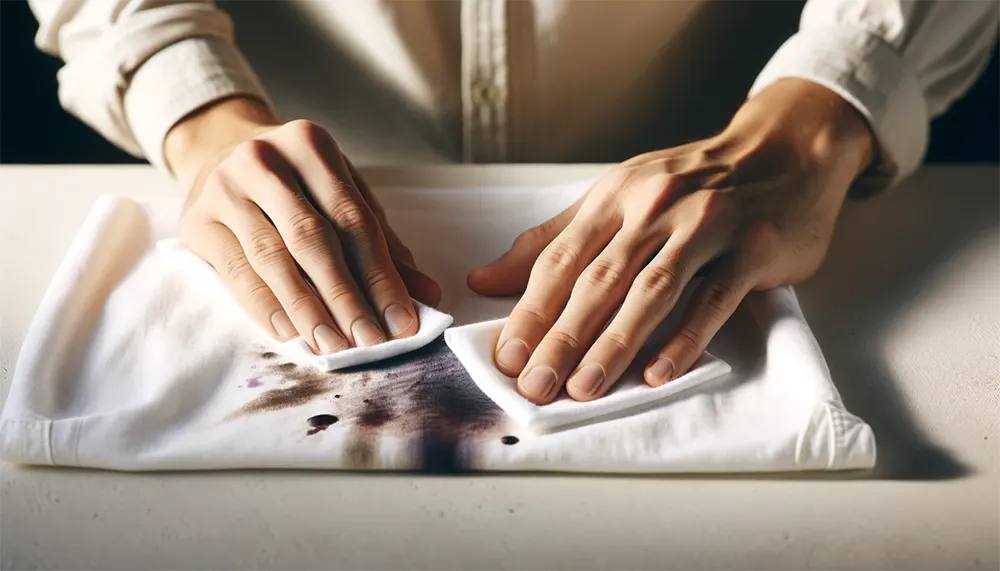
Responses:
[139,360]
[474,346]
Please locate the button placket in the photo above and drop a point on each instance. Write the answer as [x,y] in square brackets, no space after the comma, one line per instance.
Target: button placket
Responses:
[484,80]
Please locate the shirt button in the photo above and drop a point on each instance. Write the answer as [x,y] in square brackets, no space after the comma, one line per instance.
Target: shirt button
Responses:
[485,93]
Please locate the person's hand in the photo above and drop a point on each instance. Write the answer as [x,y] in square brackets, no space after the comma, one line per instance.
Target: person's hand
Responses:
[292,230]
[759,201]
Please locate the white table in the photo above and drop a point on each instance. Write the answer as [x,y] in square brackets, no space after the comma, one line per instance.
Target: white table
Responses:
[906,309]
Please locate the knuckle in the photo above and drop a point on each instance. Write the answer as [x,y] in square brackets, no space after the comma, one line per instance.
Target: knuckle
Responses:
[351,218]
[338,292]
[525,311]
[565,338]
[298,302]
[307,232]
[558,258]
[718,297]
[691,339]
[258,293]
[604,275]
[658,280]
[304,128]
[254,151]
[534,236]
[712,205]
[618,342]
[265,246]
[235,268]
[378,277]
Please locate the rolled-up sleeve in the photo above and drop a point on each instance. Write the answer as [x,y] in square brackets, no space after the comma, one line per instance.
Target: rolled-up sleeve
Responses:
[134,68]
[899,63]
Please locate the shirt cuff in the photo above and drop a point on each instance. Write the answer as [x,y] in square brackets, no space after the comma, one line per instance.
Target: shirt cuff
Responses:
[867,73]
[179,79]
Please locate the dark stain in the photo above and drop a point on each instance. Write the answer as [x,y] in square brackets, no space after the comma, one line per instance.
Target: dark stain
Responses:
[320,422]
[510,440]
[360,452]
[268,355]
[376,413]
[425,395]
[304,389]
[253,382]
[440,456]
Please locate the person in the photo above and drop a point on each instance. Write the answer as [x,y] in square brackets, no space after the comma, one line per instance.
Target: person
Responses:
[280,211]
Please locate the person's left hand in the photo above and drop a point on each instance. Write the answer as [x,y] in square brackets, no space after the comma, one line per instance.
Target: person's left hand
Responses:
[759,201]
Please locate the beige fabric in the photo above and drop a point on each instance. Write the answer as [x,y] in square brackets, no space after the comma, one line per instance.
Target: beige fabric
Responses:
[493,81]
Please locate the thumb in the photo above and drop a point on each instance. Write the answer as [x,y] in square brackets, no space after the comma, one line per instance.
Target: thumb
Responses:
[509,274]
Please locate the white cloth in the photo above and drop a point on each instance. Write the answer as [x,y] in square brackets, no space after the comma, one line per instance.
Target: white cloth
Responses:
[474,345]
[491,81]
[135,362]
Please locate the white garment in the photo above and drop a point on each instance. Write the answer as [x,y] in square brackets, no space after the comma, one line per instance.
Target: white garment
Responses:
[135,362]
[474,345]
[492,81]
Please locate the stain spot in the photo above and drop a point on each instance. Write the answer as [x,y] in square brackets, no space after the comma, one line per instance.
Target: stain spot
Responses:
[360,453]
[320,422]
[376,413]
[510,440]
[253,382]
[336,396]
[268,355]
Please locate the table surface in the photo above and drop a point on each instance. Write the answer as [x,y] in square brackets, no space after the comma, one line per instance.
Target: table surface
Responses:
[906,309]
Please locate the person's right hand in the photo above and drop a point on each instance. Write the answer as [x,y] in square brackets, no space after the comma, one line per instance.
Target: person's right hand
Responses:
[292,230]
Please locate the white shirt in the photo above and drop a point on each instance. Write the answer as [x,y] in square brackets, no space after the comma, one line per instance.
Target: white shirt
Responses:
[493,81]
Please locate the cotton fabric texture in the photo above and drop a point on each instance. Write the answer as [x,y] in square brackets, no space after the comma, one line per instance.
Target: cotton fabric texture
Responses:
[138,359]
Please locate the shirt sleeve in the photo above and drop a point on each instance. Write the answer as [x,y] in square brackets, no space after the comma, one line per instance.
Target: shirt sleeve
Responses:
[134,68]
[899,63]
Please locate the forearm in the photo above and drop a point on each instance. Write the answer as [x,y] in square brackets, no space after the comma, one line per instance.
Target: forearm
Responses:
[134,68]
[898,63]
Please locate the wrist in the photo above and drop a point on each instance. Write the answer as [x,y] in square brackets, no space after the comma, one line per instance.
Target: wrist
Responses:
[822,127]
[203,134]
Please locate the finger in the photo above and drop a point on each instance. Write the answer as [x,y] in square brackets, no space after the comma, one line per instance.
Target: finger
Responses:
[217,245]
[509,274]
[420,286]
[270,259]
[332,188]
[552,277]
[651,297]
[712,304]
[595,296]
[316,249]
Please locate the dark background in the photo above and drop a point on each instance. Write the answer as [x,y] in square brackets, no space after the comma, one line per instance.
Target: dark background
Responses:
[34,129]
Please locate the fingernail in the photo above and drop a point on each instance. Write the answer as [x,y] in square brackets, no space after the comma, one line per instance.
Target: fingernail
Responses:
[513,355]
[282,325]
[397,319]
[588,379]
[366,333]
[328,340]
[538,382]
[662,369]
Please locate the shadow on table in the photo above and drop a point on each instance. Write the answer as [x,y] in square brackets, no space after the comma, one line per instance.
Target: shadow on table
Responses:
[885,252]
